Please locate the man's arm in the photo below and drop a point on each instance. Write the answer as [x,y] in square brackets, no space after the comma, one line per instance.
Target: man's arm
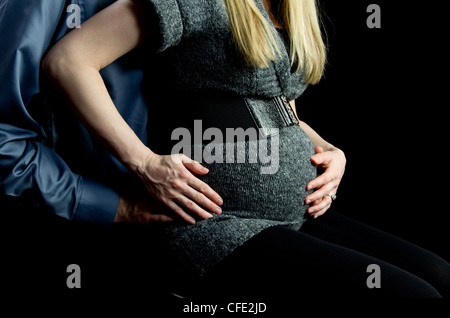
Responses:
[73,66]
[29,170]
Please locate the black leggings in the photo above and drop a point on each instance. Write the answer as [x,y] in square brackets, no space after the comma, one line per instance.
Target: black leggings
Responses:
[329,256]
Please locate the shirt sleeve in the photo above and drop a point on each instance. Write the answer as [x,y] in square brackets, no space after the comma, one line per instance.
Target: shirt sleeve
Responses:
[29,170]
[169,23]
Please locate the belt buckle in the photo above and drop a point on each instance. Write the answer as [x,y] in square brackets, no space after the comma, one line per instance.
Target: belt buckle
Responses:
[285,109]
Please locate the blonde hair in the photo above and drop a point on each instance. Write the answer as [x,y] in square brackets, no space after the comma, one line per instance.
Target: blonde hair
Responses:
[256,39]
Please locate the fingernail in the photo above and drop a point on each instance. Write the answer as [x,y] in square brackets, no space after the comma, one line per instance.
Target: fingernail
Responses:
[219,201]
[218,210]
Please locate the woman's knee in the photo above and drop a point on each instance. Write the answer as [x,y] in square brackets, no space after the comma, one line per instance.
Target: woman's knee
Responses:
[398,283]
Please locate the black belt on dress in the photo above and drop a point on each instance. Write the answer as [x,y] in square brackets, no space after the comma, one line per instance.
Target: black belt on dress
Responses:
[227,111]
[224,111]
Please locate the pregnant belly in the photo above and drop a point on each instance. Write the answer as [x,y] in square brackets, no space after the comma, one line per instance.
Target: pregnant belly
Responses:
[263,179]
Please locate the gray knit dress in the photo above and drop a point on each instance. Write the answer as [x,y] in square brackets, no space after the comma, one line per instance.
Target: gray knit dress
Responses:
[196,44]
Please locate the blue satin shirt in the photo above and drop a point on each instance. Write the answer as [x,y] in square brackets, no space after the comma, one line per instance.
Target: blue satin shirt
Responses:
[48,161]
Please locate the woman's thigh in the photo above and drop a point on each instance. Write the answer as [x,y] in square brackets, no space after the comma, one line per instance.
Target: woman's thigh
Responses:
[343,231]
[281,262]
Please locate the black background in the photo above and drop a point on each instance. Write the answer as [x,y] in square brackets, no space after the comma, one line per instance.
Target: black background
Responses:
[383,102]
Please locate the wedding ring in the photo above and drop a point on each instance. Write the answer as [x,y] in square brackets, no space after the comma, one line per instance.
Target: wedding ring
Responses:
[332,196]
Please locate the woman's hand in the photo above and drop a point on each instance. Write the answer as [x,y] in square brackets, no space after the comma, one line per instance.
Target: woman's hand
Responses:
[170,180]
[332,163]
[142,211]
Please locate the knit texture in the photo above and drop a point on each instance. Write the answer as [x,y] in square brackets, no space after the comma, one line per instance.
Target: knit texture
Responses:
[196,54]
[196,46]
[252,201]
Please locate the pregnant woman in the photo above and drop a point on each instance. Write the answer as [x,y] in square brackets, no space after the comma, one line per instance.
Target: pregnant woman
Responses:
[247,214]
